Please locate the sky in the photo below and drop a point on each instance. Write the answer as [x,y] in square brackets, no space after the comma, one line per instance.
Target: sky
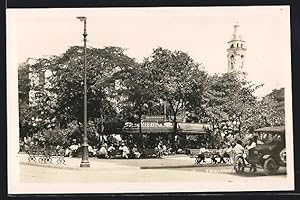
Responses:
[202,32]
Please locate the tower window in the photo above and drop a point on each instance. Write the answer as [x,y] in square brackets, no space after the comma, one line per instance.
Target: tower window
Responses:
[232,46]
[242,45]
[237,45]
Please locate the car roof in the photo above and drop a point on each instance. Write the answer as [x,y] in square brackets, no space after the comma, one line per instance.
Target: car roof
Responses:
[271,129]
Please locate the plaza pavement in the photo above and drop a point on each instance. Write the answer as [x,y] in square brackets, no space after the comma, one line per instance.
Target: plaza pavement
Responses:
[173,161]
[170,173]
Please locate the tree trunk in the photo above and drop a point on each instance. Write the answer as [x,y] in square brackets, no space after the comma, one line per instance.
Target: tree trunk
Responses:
[173,146]
[140,143]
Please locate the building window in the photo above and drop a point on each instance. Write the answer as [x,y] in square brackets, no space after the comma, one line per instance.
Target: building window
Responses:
[41,78]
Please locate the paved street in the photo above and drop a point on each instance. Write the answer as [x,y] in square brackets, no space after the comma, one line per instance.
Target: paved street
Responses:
[171,168]
[168,174]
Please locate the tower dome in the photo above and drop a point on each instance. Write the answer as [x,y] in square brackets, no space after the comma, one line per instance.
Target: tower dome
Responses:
[236,33]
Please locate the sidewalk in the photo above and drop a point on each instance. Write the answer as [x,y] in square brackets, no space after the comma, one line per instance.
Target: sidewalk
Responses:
[74,163]
[174,161]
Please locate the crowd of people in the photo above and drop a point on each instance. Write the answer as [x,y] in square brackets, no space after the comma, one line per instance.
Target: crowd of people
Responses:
[228,152]
[114,149]
[240,149]
[124,151]
[223,154]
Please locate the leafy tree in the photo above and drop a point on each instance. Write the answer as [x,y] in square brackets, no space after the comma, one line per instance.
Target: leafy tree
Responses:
[59,96]
[23,88]
[23,78]
[138,92]
[177,79]
[270,110]
[229,102]
[36,108]
[104,68]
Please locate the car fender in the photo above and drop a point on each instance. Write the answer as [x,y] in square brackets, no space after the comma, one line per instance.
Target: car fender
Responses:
[266,156]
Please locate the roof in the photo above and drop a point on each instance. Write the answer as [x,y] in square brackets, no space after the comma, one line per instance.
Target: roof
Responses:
[236,36]
[271,129]
[148,130]
[192,128]
[183,128]
[154,119]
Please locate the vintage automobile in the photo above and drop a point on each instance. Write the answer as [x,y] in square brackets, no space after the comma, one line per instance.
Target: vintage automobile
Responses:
[269,153]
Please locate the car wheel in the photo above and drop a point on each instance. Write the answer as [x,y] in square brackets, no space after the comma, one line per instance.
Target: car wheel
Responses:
[270,166]
[239,165]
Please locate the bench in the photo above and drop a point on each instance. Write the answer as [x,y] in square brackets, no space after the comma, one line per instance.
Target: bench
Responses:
[210,153]
[150,153]
[194,153]
[45,155]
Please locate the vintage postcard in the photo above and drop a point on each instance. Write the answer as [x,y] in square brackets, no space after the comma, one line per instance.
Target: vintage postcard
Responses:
[138,100]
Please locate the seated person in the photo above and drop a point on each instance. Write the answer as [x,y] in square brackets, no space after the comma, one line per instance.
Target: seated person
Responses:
[59,150]
[136,152]
[164,150]
[102,153]
[111,151]
[159,148]
[72,150]
[124,149]
[250,145]
[92,151]
[180,151]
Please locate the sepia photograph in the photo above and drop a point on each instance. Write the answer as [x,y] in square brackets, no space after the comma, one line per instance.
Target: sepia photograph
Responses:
[149,100]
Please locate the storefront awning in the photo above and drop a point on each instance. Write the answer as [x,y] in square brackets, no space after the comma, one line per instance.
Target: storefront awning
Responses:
[183,128]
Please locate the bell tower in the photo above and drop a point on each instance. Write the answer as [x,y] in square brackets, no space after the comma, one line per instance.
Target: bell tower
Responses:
[236,51]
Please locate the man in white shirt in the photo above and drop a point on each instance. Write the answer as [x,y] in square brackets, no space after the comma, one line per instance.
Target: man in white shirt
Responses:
[125,150]
[201,155]
[102,153]
[238,149]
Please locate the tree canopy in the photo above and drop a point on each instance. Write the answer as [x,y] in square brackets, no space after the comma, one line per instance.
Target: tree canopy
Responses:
[121,89]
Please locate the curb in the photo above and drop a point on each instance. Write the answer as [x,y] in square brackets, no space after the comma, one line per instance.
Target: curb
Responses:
[68,167]
[50,165]
[183,166]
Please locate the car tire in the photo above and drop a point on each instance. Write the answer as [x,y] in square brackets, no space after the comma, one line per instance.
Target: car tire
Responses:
[239,165]
[270,166]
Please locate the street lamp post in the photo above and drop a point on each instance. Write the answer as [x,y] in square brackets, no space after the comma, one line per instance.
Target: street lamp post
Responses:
[85,153]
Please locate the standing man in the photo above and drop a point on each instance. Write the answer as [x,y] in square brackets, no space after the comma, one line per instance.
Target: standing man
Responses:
[201,155]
